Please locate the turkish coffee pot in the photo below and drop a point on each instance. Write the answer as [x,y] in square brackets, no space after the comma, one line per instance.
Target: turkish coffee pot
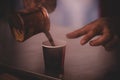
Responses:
[29,17]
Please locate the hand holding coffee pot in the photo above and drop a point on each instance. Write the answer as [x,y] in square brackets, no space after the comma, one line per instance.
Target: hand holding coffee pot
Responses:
[27,17]
[28,22]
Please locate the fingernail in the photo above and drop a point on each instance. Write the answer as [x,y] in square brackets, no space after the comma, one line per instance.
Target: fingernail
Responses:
[91,43]
[83,42]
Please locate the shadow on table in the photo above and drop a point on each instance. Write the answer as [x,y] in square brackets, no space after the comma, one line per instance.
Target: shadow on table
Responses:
[12,73]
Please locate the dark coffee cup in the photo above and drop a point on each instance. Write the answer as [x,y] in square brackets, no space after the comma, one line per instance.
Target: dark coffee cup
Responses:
[54,58]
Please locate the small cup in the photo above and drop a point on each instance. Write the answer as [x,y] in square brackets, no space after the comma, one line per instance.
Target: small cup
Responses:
[54,58]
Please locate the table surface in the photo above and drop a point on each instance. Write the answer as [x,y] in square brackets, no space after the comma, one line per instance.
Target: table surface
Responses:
[13,73]
[81,62]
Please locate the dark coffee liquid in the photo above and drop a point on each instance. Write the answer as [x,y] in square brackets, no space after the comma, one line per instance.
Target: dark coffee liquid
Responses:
[54,61]
[48,35]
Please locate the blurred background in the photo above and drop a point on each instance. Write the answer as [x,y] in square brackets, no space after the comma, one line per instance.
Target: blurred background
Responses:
[75,13]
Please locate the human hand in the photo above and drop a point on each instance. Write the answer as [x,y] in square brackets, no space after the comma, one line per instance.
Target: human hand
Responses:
[29,22]
[100,27]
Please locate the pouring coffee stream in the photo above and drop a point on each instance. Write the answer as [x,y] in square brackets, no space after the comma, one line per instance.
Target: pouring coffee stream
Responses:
[26,23]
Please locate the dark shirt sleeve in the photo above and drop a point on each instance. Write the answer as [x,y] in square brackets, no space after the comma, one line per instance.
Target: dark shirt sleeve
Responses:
[111,10]
[6,6]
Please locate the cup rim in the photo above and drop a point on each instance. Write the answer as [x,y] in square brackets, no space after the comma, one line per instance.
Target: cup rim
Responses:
[63,43]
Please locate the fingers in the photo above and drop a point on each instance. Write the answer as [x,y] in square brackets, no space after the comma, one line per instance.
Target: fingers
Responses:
[99,27]
[77,33]
[82,31]
[101,40]
[88,37]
